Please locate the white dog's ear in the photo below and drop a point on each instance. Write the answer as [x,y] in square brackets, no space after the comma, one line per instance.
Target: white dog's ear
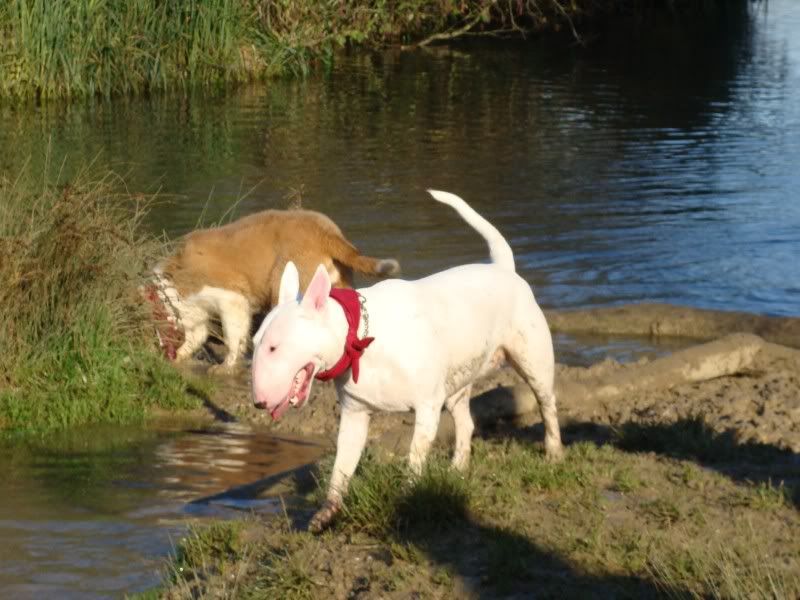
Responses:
[317,293]
[260,333]
[290,284]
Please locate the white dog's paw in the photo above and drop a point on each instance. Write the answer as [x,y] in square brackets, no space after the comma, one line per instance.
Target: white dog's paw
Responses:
[460,462]
[323,518]
[554,453]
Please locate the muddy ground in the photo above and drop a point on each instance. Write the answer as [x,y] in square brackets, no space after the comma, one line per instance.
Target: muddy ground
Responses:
[756,399]
[682,477]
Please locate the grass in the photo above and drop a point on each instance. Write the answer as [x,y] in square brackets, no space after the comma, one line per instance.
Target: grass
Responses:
[84,48]
[79,48]
[386,499]
[217,542]
[730,573]
[77,340]
[604,523]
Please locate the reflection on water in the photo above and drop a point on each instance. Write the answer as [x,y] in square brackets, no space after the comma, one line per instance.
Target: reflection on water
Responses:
[95,512]
[660,168]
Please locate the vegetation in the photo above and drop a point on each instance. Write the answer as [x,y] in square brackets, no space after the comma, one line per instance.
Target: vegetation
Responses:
[603,523]
[78,345]
[75,48]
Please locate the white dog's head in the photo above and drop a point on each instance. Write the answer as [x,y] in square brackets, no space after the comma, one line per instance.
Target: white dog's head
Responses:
[294,342]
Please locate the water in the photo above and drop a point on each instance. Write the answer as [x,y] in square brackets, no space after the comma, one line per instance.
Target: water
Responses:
[656,169]
[95,513]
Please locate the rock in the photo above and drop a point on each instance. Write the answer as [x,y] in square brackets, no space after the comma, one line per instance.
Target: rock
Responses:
[727,356]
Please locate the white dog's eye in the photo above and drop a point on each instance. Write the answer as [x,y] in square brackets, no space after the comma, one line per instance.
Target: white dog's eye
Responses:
[272,348]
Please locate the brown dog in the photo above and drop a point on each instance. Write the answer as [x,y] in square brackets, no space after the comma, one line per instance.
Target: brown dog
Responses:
[234,271]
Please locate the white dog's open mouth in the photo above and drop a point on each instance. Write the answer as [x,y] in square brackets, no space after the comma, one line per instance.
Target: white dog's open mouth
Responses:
[298,393]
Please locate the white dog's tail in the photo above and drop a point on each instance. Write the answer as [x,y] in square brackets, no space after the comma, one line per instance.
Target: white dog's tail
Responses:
[499,249]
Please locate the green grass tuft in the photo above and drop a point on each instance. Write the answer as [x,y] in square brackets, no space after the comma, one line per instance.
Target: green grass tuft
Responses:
[285,574]
[219,541]
[725,572]
[384,497]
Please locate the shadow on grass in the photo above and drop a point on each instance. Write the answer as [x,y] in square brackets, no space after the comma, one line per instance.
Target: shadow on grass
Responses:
[496,562]
[690,439]
[430,522]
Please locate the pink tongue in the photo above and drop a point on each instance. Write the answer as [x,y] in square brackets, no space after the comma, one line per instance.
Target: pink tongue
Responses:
[279,410]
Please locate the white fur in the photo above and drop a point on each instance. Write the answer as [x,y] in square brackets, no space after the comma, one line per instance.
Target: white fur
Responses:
[288,290]
[194,314]
[433,338]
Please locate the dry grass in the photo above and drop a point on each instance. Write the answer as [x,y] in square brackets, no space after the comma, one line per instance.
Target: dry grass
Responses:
[76,337]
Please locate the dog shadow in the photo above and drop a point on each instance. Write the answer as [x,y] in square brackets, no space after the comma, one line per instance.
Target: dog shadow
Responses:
[498,562]
[688,439]
[490,561]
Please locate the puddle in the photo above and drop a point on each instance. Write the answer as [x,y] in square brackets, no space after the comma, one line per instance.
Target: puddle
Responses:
[586,350]
[94,513]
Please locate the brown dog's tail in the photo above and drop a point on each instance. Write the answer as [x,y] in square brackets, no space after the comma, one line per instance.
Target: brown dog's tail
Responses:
[345,253]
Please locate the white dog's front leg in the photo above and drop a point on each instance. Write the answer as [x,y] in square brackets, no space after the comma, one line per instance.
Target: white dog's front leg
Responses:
[426,424]
[353,427]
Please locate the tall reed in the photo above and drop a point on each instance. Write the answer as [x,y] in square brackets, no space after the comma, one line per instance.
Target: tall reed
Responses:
[89,47]
[68,48]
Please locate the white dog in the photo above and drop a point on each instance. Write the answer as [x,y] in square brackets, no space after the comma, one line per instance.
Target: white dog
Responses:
[432,339]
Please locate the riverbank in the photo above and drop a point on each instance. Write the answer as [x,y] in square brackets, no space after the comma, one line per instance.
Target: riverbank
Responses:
[680,479]
[607,522]
[84,49]
[78,344]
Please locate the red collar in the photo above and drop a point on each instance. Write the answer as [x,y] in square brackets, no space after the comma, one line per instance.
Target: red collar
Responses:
[353,347]
[169,336]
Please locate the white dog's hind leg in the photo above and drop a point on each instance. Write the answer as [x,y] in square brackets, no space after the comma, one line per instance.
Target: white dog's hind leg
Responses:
[458,405]
[426,424]
[353,427]
[553,448]
[537,369]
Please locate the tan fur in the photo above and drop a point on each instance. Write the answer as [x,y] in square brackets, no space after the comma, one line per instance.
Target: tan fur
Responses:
[248,256]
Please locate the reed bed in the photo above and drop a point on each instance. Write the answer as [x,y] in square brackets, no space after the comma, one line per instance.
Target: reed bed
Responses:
[79,48]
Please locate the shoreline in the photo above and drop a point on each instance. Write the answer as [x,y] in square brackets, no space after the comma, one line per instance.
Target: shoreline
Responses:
[690,379]
[82,49]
